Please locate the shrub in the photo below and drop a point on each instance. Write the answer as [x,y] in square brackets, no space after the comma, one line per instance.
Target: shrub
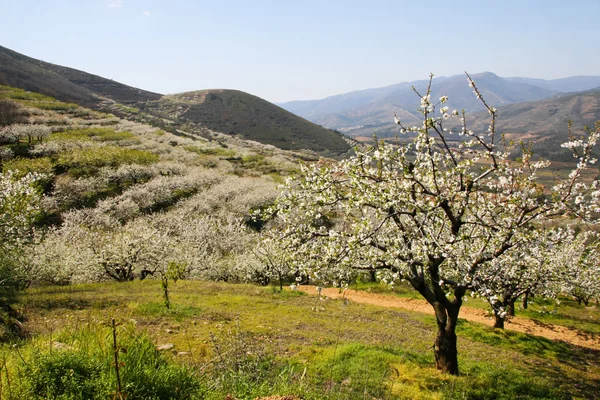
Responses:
[147,375]
[68,375]
[83,368]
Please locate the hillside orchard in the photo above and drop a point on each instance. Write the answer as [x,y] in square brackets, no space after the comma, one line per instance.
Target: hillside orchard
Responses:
[87,197]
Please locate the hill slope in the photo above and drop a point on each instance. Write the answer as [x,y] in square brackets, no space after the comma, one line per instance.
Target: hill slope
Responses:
[546,121]
[63,83]
[252,118]
[230,112]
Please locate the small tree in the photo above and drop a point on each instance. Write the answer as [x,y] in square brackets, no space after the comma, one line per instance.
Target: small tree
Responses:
[433,212]
[275,266]
[10,112]
[580,260]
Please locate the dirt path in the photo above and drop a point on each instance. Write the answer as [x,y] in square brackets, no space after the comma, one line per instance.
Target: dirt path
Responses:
[549,331]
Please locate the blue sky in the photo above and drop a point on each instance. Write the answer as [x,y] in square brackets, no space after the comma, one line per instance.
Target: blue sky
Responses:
[292,50]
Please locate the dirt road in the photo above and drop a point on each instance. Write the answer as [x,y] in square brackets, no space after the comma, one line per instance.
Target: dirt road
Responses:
[549,331]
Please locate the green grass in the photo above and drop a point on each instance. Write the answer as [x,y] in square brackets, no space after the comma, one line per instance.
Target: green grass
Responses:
[41,165]
[13,93]
[403,289]
[89,134]
[78,363]
[86,161]
[212,151]
[54,105]
[36,100]
[279,344]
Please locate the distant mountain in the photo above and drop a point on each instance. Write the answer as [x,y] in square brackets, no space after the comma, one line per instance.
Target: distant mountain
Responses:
[238,113]
[227,111]
[563,85]
[63,83]
[370,111]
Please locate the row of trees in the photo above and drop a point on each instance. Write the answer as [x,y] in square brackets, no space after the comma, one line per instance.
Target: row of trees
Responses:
[451,213]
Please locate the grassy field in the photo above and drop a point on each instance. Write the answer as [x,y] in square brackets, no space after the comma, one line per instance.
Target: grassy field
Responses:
[250,341]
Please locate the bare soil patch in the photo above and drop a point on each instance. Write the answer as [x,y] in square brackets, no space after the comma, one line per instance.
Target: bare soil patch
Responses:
[532,327]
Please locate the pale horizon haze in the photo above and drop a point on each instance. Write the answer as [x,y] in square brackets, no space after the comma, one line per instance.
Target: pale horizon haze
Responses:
[283,51]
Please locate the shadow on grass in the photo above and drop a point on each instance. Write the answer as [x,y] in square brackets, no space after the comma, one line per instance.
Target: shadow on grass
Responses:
[583,334]
[66,303]
[575,356]
[355,370]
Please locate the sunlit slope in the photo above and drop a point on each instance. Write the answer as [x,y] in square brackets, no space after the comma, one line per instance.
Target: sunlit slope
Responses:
[249,117]
[63,83]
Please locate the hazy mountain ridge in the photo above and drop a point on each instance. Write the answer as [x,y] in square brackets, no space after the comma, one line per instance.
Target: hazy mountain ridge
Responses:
[563,85]
[370,111]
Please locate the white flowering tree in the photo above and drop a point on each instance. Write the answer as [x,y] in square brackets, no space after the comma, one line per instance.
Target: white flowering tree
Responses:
[433,212]
[29,132]
[19,204]
[274,264]
[580,259]
[534,268]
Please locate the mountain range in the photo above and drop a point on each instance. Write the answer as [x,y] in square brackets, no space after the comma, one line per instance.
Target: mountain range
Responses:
[366,112]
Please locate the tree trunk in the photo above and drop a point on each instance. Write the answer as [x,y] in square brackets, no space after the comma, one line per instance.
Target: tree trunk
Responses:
[446,355]
[444,350]
[498,322]
[510,308]
[373,275]
[525,300]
